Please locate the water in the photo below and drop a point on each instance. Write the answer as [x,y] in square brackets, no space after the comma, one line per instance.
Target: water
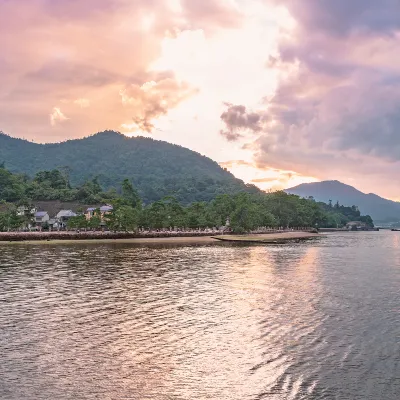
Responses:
[309,321]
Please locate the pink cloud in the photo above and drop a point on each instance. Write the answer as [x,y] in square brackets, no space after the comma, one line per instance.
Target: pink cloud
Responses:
[153,99]
[54,52]
[335,112]
[211,14]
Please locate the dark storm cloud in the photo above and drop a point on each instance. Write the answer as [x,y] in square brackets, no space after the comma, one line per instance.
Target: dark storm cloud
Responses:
[238,121]
[237,117]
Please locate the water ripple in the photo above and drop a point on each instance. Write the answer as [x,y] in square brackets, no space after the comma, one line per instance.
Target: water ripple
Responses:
[313,321]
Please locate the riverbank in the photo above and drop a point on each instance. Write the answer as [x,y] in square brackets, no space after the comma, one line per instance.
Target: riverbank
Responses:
[97,236]
[183,238]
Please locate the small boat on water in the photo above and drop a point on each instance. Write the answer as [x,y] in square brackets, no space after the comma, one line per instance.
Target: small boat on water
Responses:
[395,230]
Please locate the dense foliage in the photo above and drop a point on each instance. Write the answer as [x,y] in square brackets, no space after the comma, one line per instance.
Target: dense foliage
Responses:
[156,168]
[338,215]
[245,211]
[49,185]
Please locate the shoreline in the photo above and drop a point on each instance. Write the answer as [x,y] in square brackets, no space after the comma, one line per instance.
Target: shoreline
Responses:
[159,240]
[206,238]
[102,237]
[278,238]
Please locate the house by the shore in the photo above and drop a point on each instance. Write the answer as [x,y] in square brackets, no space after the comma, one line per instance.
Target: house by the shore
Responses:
[41,218]
[101,211]
[54,215]
[63,217]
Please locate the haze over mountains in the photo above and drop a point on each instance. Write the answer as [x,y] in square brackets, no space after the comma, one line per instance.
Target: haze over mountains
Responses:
[380,209]
[156,168]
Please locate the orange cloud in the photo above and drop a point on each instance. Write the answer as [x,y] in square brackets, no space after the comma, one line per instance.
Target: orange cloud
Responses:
[229,164]
[153,99]
[57,116]
[87,53]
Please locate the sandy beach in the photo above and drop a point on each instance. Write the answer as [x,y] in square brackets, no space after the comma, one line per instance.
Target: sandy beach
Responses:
[269,238]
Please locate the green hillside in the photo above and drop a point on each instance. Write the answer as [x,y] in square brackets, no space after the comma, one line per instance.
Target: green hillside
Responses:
[156,168]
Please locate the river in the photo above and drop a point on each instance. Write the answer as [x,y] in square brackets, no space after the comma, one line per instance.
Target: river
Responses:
[318,320]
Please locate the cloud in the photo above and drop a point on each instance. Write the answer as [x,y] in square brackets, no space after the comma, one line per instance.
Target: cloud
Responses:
[321,96]
[153,99]
[238,121]
[263,180]
[231,163]
[230,136]
[92,50]
[57,116]
[83,103]
[335,112]
[212,14]
[265,177]
[341,17]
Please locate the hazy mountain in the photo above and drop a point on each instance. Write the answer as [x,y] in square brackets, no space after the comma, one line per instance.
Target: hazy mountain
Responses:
[378,208]
[156,168]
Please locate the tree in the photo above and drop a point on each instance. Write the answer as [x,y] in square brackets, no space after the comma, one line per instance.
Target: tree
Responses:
[10,220]
[198,216]
[244,218]
[245,210]
[123,218]
[95,221]
[54,179]
[130,195]
[66,172]
[79,222]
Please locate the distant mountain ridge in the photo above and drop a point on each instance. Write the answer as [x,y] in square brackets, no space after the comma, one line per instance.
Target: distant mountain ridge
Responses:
[379,208]
[157,168]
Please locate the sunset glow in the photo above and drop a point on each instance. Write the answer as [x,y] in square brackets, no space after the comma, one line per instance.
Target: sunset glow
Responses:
[298,93]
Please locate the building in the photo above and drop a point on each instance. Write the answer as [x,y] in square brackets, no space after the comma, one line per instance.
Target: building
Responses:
[53,224]
[62,218]
[26,211]
[104,210]
[90,212]
[41,218]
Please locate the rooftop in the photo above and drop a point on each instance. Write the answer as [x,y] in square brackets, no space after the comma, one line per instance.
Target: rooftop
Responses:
[66,213]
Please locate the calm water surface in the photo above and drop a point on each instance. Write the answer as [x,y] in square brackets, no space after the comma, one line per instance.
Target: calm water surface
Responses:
[309,321]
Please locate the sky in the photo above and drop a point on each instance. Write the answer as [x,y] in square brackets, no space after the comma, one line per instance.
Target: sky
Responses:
[280,92]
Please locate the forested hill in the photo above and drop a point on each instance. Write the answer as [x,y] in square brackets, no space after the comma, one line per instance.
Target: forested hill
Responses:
[156,168]
[380,209]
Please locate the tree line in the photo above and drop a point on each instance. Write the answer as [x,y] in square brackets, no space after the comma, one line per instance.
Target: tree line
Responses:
[246,211]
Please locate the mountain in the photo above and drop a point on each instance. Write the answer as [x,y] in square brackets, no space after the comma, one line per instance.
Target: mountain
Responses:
[156,168]
[378,208]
